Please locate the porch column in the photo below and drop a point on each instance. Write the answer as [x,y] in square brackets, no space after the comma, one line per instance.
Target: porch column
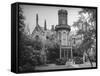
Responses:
[71,53]
[60,51]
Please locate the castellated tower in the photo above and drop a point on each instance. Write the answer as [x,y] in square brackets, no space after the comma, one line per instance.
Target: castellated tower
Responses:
[62,15]
[62,30]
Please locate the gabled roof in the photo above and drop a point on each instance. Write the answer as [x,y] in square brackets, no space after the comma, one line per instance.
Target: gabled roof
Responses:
[37,29]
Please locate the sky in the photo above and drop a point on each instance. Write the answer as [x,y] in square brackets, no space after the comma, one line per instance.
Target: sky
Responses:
[48,13]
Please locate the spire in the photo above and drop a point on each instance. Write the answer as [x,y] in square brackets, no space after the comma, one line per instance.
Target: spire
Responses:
[45,25]
[36,19]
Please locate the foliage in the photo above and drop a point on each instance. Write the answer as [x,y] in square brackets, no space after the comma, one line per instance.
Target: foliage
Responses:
[78,60]
[37,44]
[21,19]
[26,68]
[52,50]
[27,58]
[91,12]
[77,52]
[61,61]
[87,28]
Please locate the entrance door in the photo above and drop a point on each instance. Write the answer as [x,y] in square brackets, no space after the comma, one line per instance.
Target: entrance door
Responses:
[66,53]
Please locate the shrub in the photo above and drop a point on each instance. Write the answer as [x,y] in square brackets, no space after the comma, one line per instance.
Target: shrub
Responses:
[26,68]
[61,61]
[78,60]
[93,58]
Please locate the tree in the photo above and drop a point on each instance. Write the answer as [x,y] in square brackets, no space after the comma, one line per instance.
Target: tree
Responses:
[25,50]
[87,28]
[21,19]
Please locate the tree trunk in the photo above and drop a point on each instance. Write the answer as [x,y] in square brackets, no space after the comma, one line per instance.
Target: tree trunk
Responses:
[89,59]
[83,58]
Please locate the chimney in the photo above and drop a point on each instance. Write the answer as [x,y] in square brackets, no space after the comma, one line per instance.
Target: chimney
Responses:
[52,28]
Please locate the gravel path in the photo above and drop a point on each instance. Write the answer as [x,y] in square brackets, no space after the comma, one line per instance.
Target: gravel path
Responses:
[67,66]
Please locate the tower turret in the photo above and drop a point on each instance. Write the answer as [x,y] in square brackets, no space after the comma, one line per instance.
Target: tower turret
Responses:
[62,30]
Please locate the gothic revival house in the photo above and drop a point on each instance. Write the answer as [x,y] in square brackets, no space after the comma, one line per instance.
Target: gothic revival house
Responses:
[60,33]
[42,32]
